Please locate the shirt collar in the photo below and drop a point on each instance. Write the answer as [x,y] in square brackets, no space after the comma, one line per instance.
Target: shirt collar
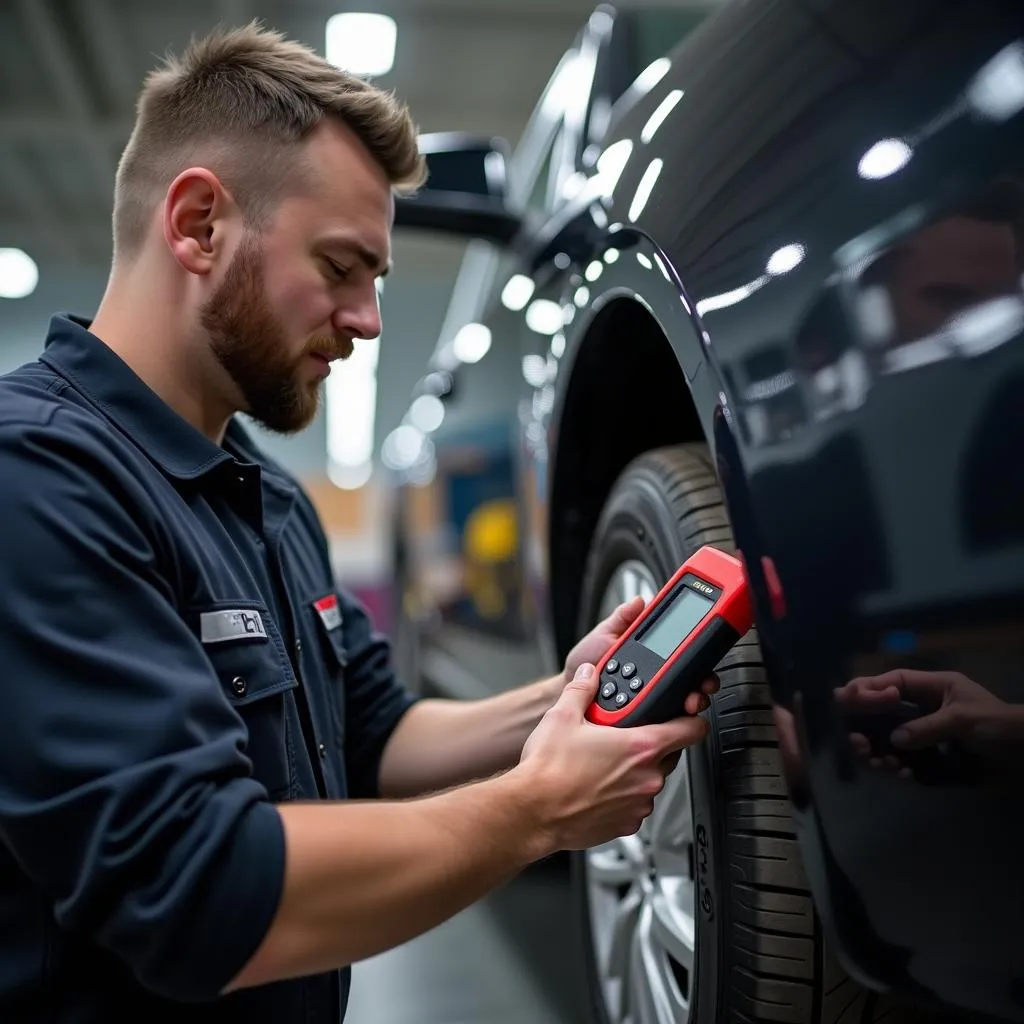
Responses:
[103,378]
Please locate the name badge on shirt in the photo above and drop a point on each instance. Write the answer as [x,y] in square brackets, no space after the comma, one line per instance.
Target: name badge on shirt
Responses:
[235,624]
[329,612]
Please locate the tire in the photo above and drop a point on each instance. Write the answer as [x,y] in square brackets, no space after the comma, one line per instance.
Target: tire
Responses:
[757,952]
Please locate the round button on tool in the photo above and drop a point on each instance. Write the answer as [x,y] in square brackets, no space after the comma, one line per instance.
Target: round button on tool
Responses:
[621,699]
[607,690]
[635,684]
[628,670]
[612,666]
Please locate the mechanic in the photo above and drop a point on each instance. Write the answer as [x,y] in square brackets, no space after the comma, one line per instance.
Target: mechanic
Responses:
[214,795]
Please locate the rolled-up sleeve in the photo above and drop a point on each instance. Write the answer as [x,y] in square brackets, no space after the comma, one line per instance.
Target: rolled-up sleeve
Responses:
[125,792]
[375,701]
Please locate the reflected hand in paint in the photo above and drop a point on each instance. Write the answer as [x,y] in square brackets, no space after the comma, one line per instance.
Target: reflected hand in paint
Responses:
[906,720]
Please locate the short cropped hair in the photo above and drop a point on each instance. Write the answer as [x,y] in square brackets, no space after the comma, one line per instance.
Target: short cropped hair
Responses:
[241,101]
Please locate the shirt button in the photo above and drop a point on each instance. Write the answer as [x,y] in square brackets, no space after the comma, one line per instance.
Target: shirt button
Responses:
[323,750]
[240,686]
[298,648]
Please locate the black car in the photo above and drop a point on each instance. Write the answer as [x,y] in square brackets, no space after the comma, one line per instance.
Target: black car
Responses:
[766,294]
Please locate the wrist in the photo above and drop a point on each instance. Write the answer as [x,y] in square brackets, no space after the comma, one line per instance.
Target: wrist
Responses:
[524,793]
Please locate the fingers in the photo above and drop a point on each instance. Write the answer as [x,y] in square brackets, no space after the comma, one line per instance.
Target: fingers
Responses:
[926,731]
[580,691]
[622,618]
[696,703]
[711,685]
[869,691]
[677,734]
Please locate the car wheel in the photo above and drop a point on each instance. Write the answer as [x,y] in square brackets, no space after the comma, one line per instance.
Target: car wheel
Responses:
[704,915]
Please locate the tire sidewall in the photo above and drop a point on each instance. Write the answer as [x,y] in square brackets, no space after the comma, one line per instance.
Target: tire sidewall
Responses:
[637,524]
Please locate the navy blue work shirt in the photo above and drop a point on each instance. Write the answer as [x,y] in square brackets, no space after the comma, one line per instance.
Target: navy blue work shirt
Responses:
[176,660]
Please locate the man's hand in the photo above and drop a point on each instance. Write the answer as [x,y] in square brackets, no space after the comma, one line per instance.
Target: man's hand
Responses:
[952,707]
[593,646]
[592,783]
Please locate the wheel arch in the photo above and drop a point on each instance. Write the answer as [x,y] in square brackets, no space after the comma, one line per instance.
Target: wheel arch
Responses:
[627,394]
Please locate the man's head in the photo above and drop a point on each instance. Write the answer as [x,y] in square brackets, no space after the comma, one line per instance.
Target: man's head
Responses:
[266,175]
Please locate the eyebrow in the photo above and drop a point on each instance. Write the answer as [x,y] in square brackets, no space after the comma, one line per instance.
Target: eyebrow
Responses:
[370,258]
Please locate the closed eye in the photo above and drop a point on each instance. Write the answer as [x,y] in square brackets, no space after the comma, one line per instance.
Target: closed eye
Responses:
[338,272]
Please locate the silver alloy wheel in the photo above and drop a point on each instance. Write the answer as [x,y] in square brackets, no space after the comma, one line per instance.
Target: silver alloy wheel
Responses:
[640,888]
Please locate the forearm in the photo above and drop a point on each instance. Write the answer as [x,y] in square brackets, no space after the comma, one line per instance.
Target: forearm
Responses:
[441,743]
[363,877]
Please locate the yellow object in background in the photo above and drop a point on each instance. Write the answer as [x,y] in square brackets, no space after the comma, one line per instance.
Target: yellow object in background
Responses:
[490,541]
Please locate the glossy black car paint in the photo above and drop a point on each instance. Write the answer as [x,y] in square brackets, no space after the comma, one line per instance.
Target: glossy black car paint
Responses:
[851,345]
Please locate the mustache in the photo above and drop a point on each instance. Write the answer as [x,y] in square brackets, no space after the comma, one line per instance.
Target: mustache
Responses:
[332,348]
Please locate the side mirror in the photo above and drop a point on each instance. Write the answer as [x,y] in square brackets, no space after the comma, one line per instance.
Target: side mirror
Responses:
[465,193]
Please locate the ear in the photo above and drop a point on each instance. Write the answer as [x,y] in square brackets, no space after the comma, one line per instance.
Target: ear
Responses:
[197,211]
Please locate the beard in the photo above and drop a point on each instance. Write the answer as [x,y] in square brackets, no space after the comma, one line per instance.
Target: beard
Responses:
[250,343]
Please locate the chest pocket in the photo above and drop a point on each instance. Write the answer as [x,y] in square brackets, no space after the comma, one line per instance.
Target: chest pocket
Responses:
[247,653]
[326,619]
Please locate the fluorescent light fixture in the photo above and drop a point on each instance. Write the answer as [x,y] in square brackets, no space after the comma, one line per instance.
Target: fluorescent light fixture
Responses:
[544,316]
[558,345]
[363,44]
[644,261]
[517,292]
[582,296]
[19,274]
[472,342]
[783,260]
[351,407]
[611,255]
[884,158]
[593,271]
[664,108]
[645,188]
[426,413]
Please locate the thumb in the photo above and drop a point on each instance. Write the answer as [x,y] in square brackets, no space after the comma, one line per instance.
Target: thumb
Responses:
[581,690]
[623,616]
[925,731]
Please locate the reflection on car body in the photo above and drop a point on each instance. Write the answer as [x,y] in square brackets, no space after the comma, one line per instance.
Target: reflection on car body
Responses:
[768,292]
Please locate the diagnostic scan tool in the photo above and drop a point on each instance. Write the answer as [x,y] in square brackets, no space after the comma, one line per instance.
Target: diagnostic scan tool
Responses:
[675,643]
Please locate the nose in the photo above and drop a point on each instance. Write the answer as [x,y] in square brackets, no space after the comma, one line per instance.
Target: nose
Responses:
[359,314]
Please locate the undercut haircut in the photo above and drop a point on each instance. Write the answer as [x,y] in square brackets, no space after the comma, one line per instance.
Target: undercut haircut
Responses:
[241,102]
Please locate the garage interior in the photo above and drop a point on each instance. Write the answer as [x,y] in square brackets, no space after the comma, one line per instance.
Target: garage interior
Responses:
[429,537]
[69,75]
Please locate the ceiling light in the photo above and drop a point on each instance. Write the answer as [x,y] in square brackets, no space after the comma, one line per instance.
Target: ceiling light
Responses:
[884,158]
[363,44]
[472,343]
[997,91]
[783,260]
[426,413]
[19,274]
[516,293]
[544,316]
[402,447]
